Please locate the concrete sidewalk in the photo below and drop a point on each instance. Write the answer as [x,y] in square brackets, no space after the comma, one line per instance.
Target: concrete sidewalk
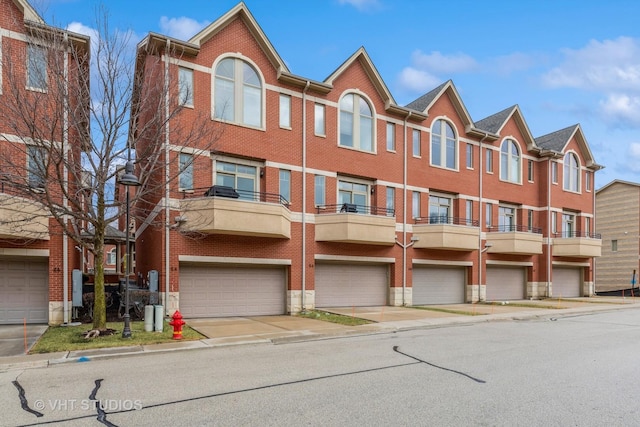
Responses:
[283,329]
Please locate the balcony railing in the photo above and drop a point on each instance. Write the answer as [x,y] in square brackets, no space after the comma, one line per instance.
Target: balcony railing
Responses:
[570,234]
[513,228]
[235,193]
[353,208]
[438,219]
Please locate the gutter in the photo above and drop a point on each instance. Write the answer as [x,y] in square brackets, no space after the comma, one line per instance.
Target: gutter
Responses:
[480,217]
[167,212]
[304,195]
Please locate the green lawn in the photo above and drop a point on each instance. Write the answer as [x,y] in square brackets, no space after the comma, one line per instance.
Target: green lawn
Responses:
[69,338]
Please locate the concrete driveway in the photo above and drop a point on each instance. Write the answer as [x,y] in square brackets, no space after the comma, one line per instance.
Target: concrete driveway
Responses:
[15,339]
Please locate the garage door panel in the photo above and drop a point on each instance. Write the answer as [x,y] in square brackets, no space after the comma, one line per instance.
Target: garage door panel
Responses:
[505,283]
[230,291]
[346,285]
[438,285]
[24,290]
[566,282]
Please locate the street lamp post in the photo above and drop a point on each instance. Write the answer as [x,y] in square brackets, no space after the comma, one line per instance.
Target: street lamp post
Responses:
[128,179]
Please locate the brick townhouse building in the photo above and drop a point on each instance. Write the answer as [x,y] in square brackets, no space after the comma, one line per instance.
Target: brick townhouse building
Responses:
[36,256]
[328,193]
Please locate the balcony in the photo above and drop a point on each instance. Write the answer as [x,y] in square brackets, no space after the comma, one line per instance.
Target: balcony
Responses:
[516,240]
[225,210]
[577,244]
[350,223]
[437,232]
[22,218]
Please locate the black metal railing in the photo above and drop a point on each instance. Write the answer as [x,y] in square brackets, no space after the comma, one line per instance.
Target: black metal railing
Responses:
[443,219]
[353,208]
[568,234]
[235,193]
[512,228]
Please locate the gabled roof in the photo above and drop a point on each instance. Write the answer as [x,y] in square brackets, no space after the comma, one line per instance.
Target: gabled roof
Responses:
[557,141]
[426,101]
[496,122]
[618,182]
[241,11]
[28,11]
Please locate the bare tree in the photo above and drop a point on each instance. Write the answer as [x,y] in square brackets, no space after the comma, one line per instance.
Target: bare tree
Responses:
[68,135]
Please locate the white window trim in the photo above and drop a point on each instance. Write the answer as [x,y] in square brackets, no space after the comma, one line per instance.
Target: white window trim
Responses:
[443,148]
[282,125]
[324,119]
[416,133]
[192,100]
[393,126]
[578,176]
[509,161]
[374,120]
[27,68]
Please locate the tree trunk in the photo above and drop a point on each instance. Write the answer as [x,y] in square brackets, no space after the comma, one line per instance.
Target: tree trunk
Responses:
[99,303]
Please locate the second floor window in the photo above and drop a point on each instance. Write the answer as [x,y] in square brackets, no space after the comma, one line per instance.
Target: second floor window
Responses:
[319,190]
[285,111]
[391,201]
[416,142]
[509,161]
[356,123]
[111,257]
[237,93]
[36,67]
[571,176]
[470,156]
[186,171]
[554,172]
[444,146]
[243,178]
[568,225]
[391,137]
[506,218]
[415,212]
[36,166]
[353,193]
[319,126]
[185,87]
[285,184]
[439,210]
[469,212]
[489,160]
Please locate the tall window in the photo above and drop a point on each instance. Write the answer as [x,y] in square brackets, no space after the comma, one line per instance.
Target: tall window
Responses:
[285,184]
[356,123]
[568,225]
[416,142]
[488,220]
[469,212]
[571,176]
[554,222]
[614,246]
[319,190]
[415,205]
[285,111]
[587,181]
[509,161]
[36,67]
[444,147]
[37,169]
[391,137]
[241,177]
[185,86]
[319,126]
[391,201]
[186,171]
[238,93]
[587,226]
[506,218]
[554,172]
[530,219]
[530,170]
[111,257]
[470,156]
[439,210]
[489,160]
[353,193]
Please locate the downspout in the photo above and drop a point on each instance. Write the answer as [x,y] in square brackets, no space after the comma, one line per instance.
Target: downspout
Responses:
[65,203]
[480,216]
[549,227]
[404,210]
[167,212]
[304,195]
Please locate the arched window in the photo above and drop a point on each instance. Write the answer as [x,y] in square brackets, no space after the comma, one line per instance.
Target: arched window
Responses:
[237,93]
[444,145]
[510,161]
[571,177]
[356,123]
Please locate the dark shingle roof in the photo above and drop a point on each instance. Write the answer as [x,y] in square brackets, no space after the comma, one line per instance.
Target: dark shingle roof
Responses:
[493,123]
[425,100]
[556,141]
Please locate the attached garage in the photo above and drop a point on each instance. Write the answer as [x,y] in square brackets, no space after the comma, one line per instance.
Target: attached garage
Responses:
[566,282]
[347,285]
[24,291]
[232,291]
[438,285]
[506,283]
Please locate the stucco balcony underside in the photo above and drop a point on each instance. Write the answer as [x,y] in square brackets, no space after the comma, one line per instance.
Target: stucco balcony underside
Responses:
[581,247]
[355,228]
[217,215]
[514,242]
[446,236]
[22,219]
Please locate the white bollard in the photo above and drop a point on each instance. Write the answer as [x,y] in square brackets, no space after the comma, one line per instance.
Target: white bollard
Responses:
[159,318]
[148,318]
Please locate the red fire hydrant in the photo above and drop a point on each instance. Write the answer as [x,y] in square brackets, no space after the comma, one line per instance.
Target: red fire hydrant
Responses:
[177,323]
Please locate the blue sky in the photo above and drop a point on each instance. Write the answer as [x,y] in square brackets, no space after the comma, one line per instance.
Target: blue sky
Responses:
[562,61]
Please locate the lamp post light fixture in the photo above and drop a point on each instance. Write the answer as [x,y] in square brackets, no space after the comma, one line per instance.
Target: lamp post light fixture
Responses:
[128,179]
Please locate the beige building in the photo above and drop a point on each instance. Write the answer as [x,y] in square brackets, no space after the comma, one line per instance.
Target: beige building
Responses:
[618,216]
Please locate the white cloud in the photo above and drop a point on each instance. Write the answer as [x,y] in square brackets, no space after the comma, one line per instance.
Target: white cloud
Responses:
[80,28]
[633,157]
[599,66]
[622,108]
[414,80]
[362,5]
[436,62]
[182,28]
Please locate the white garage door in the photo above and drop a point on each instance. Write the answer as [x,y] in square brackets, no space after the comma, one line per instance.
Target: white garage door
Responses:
[566,282]
[505,283]
[438,285]
[24,291]
[347,285]
[231,291]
